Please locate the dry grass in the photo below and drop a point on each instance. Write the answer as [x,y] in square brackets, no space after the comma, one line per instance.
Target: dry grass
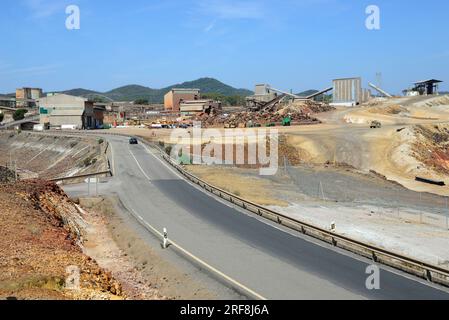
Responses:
[234,181]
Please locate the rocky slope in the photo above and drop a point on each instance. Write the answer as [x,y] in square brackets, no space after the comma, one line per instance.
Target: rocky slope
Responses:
[40,239]
[48,157]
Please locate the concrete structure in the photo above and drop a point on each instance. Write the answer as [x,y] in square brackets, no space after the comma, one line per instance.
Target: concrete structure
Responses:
[193,107]
[349,92]
[262,94]
[7,102]
[65,110]
[424,88]
[26,97]
[173,99]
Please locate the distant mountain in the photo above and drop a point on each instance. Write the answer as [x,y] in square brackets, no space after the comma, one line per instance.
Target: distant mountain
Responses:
[80,92]
[210,85]
[134,92]
[307,93]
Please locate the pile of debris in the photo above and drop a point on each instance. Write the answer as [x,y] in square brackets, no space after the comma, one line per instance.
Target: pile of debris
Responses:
[296,113]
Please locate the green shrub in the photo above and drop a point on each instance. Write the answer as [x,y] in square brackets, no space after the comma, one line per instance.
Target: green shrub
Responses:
[168,150]
[100,141]
[19,114]
[87,162]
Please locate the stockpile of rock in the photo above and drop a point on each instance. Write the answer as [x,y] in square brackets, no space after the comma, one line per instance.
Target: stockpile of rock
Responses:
[299,113]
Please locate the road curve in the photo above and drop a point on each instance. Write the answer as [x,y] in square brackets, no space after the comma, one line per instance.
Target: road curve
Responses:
[274,263]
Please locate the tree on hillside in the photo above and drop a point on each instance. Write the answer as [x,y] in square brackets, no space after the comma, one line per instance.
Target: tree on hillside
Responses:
[19,114]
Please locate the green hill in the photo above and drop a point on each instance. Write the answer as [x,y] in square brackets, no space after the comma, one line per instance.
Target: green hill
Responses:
[134,92]
[307,93]
[210,85]
[80,92]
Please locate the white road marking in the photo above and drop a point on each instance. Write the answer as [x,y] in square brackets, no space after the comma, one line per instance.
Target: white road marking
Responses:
[165,164]
[140,167]
[177,246]
[198,260]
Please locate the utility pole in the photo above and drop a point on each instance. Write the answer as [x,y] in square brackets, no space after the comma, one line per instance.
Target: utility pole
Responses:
[379,79]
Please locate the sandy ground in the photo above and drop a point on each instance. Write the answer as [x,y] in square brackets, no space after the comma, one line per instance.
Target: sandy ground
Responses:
[142,271]
[254,189]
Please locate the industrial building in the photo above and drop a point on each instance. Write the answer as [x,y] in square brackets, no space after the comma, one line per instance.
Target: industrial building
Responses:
[424,88]
[26,97]
[192,107]
[65,111]
[7,102]
[349,92]
[262,94]
[174,97]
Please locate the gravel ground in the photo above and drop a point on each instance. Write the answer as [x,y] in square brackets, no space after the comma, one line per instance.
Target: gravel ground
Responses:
[353,189]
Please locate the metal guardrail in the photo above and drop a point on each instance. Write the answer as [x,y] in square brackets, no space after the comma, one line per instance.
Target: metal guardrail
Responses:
[404,263]
[416,267]
[87,175]
[33,118]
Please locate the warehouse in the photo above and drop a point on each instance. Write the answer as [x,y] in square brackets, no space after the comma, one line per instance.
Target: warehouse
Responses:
[65,111]
[349,92]
[173,99]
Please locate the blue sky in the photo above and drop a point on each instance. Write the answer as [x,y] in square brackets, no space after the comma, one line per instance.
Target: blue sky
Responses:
[291,44]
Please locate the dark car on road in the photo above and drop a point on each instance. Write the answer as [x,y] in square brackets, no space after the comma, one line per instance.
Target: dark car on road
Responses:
[133,141]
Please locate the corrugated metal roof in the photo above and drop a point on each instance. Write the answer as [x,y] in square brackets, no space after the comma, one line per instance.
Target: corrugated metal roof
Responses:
[429,81]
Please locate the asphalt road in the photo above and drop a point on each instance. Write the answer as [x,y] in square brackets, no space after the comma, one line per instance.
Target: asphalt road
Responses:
[275,263]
